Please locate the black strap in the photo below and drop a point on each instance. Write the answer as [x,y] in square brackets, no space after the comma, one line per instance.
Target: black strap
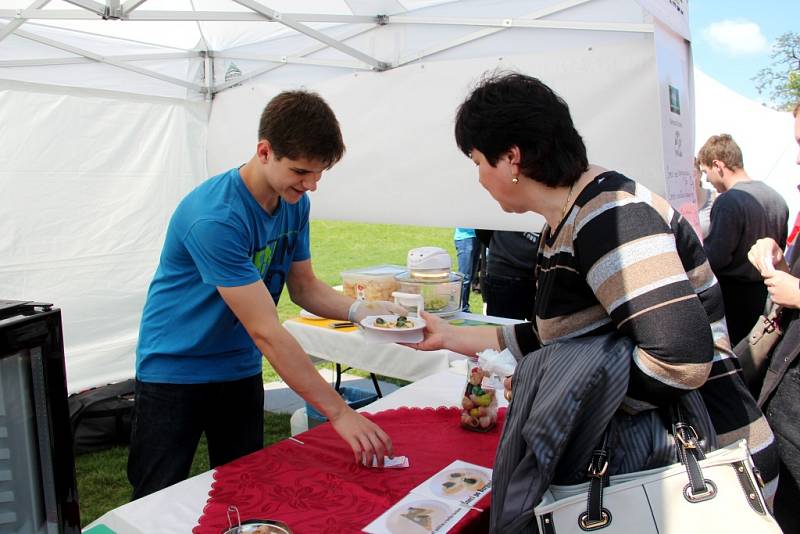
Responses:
[596,516]
[689,454]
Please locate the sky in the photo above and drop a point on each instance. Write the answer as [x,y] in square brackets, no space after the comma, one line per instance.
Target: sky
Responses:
[732,39]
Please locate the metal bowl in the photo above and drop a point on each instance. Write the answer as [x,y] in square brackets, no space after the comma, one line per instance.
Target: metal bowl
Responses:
[259,526]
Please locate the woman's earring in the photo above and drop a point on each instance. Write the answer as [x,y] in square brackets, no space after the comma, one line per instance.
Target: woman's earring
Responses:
[515,180]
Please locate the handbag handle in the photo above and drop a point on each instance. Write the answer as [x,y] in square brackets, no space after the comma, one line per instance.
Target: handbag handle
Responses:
[689,454]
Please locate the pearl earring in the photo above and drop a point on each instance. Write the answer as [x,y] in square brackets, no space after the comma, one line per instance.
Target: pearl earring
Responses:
[515,180]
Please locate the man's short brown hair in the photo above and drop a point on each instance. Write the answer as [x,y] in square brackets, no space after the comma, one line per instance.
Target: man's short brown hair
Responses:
[300,124]
[721,148]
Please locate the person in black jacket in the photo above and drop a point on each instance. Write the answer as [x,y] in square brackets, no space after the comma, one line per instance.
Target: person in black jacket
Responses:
[508,284]
[780,394]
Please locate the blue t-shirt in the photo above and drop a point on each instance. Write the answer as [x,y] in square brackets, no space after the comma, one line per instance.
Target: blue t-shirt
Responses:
[218,236]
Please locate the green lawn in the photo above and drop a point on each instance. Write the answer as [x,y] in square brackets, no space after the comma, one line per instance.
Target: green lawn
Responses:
[335,247]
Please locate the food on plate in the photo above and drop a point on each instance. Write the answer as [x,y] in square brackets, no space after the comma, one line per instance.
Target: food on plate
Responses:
[399,323]
[460,482]
[420,516]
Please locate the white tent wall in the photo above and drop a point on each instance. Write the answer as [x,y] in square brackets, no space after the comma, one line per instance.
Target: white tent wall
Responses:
[402,164]
[88,181]
[398,124]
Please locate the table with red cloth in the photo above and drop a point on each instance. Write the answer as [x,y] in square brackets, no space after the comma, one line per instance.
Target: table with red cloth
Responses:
[317,486]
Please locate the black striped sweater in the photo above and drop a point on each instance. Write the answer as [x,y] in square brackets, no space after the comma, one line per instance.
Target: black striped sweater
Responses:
[623,259]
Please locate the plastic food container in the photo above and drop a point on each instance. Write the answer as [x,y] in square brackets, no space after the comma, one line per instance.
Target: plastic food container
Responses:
[371,283]
[479,402]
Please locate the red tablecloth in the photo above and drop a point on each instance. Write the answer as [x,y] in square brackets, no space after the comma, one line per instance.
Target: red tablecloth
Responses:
[318,488]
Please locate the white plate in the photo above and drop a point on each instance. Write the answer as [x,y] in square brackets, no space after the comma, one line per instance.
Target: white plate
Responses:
[369,322]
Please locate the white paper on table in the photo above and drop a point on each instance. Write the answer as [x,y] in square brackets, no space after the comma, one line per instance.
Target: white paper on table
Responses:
[438,503]
[414,514]
[398,462]
[461,483]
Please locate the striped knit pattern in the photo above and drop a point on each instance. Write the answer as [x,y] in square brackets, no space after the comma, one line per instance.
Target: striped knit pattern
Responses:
[623,259]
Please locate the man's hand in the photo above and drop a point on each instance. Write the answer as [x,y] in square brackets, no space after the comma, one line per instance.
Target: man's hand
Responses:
[784,289]
[362,308]
[766,256]
[364,437]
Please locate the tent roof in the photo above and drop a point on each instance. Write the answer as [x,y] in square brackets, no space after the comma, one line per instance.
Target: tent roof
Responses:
[196,48]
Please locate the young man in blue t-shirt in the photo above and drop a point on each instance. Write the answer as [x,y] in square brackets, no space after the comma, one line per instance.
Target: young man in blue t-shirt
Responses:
[210,312]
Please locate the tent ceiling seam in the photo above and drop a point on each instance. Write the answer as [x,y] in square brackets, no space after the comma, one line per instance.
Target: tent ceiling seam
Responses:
[43,62]
[101,59]
[480,34]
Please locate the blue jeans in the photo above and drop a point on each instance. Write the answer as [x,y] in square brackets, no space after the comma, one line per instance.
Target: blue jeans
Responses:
[467,251]
[168,420]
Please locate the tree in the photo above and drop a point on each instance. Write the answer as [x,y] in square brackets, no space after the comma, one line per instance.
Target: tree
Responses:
[781,80]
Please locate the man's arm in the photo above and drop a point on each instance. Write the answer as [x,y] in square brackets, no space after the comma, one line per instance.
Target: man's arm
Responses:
[319,298]
[724,234]
[254,307]
[314,295]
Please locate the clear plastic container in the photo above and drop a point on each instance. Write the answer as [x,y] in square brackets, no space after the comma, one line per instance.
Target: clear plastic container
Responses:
[442,293]
[479,401]
[371,283]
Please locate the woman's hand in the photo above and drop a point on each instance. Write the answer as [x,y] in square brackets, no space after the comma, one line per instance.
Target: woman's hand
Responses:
[784,289]
[508,383]
[436,333]
[766,256]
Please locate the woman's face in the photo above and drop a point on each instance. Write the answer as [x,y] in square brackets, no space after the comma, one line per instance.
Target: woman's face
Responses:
[498,181]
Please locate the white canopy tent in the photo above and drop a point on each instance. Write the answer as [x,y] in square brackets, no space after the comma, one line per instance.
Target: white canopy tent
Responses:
[113,111]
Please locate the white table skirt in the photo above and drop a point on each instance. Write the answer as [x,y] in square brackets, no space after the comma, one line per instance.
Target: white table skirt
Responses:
[350,349]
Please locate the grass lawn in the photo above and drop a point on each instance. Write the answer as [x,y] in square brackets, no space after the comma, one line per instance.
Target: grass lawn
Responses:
[335,247]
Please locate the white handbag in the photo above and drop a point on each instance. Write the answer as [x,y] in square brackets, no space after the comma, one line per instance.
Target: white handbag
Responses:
[719,493]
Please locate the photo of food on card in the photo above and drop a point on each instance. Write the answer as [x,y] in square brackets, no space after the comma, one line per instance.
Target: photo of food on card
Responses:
[416,515]
[458,483]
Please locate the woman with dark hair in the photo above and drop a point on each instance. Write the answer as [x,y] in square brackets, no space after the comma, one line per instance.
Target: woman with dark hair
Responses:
[614,258]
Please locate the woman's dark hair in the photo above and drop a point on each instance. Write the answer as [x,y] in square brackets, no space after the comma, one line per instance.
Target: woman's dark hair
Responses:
[300,124]
[508,109]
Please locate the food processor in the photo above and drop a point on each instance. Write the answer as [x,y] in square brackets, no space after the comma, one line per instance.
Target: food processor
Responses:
[429,274]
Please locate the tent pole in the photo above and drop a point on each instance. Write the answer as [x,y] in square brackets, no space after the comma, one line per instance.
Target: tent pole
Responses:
[12,26]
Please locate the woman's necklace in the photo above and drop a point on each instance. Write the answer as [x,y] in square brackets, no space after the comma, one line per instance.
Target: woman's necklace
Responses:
[566,202]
